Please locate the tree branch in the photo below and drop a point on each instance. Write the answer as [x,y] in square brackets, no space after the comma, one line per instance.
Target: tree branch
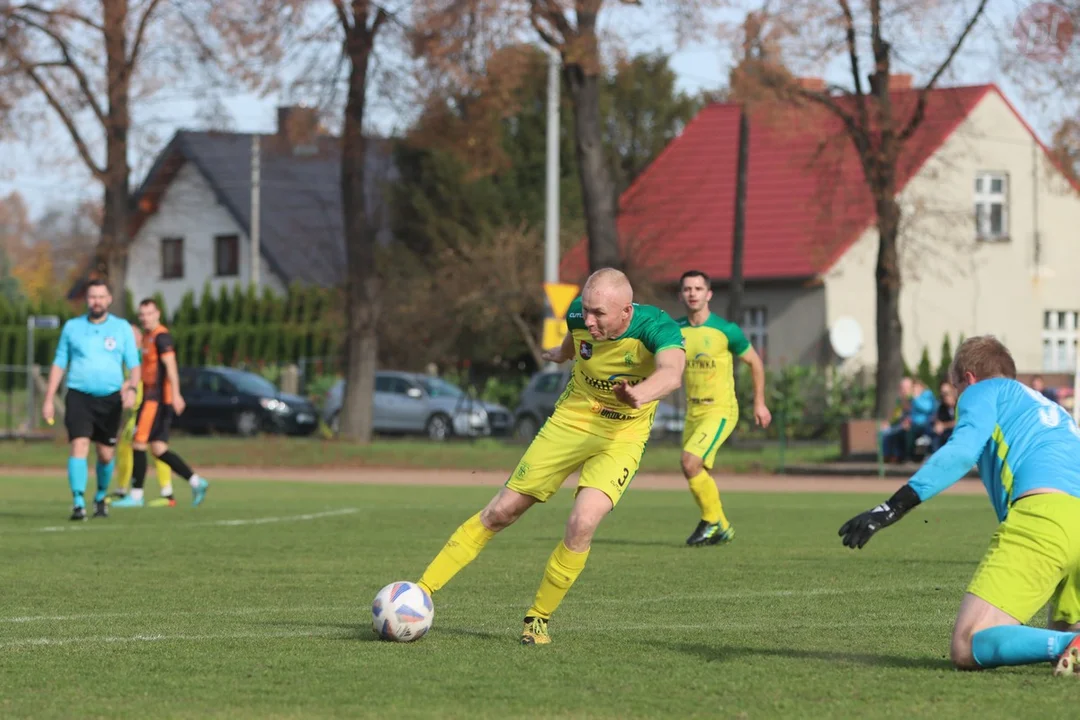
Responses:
[65,118]
[853,54]
[140,33]
[343,16]
[529,338]
[552,13]
[380,17]
[60,12]
[920,107]
[69,62]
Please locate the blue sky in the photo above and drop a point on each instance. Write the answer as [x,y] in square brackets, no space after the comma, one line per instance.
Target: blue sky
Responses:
[47,172]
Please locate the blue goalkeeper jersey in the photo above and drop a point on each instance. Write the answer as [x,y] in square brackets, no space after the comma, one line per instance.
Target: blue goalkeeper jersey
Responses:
[1019,439]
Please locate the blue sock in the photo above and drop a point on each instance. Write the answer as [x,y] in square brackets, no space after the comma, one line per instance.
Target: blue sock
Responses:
[1017,645]
[104,477]
[77,472]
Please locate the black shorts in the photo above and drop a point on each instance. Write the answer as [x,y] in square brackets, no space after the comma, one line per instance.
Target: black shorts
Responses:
[97,418]
[153,421]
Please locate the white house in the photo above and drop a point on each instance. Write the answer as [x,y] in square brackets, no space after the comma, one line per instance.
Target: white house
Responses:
[990,240]
[192,218]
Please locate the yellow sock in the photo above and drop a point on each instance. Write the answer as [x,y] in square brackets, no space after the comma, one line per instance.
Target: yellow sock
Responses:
[563,568]
[708,499]
[164,477]
[460,550]
[125,460]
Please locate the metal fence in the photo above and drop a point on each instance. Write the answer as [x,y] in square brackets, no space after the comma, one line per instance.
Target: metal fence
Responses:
[22,390]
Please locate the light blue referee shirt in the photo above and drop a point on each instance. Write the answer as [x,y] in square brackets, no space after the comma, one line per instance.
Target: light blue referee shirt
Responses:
[95,354]
[1020,441]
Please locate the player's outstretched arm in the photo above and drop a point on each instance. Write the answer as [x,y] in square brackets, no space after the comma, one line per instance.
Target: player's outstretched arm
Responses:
[977,411]
[562,353]
[666,378]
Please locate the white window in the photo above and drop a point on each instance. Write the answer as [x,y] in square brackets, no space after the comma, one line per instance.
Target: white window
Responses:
[992,206]
[1059,340]
[755,327]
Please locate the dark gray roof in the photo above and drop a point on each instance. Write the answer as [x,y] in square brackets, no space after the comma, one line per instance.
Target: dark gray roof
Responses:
[301,212]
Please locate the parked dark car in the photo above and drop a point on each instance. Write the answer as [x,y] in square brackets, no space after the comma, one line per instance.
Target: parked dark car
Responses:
[417,404]
[540,395]
[226,400]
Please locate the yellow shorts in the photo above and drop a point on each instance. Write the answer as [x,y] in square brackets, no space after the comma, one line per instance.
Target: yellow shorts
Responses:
[703,435]
[557,451]
[1034,558]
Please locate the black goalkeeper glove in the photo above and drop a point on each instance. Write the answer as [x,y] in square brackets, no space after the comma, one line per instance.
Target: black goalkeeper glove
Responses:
[858,530]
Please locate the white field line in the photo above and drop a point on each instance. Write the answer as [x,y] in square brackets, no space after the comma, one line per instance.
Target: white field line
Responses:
[99,525]
[360,609]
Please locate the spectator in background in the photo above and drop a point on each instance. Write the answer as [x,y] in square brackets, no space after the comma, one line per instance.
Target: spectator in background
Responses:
[893,438]
[917,415]
[1038,385]
[945,418]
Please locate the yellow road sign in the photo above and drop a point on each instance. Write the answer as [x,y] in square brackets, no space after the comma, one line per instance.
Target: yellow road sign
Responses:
[554,332]
[560,295]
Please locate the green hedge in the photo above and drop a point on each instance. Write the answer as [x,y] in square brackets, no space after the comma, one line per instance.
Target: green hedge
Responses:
[233,327]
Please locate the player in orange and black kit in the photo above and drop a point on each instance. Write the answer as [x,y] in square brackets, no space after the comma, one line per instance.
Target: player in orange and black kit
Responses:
[161,399]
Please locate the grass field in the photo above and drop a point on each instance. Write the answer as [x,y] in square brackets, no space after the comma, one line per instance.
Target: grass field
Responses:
[485,454]
[256,605]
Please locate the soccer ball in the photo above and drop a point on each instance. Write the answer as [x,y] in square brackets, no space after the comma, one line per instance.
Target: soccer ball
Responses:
[402,612]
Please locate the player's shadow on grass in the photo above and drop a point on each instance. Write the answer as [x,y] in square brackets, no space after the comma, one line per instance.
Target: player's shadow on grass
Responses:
[724,653]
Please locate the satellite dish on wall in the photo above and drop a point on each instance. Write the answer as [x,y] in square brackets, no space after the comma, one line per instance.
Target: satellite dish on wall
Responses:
[846,337]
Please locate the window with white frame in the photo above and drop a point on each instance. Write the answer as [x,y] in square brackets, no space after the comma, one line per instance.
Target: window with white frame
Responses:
[992,206]
[755,327]
[1059,340]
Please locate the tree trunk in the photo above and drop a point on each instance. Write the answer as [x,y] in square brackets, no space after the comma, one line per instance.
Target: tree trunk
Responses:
[114,226]
[738,240]
[361,276]
[890,332]
[597,188]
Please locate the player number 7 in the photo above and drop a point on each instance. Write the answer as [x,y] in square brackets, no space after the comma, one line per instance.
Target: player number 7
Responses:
[702,438]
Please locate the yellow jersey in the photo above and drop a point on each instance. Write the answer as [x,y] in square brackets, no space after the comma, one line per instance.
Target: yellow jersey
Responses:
[710,365]
[588,403]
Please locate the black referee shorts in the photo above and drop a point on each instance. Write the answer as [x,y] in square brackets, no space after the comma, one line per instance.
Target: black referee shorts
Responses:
[97,418]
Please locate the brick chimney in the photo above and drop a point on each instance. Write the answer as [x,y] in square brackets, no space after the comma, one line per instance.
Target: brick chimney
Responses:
[298,129]
[901,81]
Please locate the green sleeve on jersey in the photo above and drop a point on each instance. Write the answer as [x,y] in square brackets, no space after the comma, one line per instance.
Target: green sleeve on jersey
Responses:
[575,318]
[661,333]
[737,342]
[736,339]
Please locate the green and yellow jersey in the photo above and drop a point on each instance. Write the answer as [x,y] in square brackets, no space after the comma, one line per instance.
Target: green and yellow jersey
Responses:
[588,403]
[710,365]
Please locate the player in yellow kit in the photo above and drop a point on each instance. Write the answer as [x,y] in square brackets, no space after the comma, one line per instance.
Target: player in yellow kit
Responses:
[627,357]
[712,409]
[125,454]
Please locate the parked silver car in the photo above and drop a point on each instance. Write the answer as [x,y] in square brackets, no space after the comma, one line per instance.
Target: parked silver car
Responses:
[418,404]
[540,395]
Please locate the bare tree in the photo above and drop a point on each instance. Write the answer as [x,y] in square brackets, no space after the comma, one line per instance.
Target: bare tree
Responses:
[89,60]
[872,120]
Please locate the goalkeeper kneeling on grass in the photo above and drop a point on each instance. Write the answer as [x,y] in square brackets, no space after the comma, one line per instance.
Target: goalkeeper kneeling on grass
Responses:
[1027,449]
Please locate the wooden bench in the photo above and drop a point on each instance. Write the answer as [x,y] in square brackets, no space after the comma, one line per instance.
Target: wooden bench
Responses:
[859,438]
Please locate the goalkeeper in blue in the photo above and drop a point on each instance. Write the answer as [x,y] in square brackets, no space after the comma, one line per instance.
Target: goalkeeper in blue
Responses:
[1027,449]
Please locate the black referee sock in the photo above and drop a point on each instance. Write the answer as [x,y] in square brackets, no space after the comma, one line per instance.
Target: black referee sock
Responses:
[138,469]
[178,466]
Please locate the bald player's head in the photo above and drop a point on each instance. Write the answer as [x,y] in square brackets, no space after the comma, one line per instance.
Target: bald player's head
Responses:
[607,303]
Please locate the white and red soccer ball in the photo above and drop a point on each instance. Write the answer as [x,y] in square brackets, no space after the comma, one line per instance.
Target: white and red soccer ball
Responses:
[402,612]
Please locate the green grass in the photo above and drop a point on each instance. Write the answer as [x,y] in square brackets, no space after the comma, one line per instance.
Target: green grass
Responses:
[485,454]
[185,613]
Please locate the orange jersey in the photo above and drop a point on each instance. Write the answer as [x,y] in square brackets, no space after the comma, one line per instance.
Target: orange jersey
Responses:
[157,344]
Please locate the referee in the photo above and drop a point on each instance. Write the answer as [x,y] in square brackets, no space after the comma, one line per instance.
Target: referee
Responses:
[93,349]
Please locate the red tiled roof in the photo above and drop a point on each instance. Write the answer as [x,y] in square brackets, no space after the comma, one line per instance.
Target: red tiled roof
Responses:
[807,200]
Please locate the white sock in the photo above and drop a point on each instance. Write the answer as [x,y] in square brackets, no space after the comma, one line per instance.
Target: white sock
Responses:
[166,491]
[195,480]
[136,493]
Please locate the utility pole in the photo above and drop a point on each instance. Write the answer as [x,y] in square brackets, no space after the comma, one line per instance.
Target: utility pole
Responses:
[738,236]
[551,195]
[256,191]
